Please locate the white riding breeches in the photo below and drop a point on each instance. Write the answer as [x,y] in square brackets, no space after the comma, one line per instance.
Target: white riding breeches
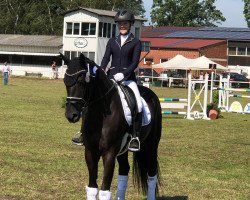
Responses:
[134,87]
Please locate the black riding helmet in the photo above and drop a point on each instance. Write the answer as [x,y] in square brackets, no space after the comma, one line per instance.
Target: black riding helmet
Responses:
[124,15]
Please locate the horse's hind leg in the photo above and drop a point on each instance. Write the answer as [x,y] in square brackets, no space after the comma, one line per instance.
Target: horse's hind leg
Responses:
[122,179]
[152,168]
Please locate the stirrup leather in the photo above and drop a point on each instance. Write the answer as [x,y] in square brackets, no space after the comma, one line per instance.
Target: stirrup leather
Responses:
[134,149]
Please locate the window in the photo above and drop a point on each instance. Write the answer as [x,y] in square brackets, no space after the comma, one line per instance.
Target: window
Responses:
[248,51]
[76,28]
[241,51]
[69,26]
[91,55]
[113,30]
[232,51]
[104,34]
[100,29]
[148,61]
[109,30]
[88,29]
[163,60]
[92,29]
[85,29]
[146,46]
[105,30]
[73,54]
[137,32]
[67,54]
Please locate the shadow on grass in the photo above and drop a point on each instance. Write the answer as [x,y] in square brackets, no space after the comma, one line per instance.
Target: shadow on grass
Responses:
[172,198]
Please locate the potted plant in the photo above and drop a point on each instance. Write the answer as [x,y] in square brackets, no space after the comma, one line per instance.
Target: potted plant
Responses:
[213,112]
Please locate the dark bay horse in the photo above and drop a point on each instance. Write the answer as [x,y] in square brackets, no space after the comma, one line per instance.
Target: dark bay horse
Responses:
[104,128]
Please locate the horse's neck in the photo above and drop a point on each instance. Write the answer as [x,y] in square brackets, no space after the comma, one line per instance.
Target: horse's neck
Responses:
[102,89]
[103,82]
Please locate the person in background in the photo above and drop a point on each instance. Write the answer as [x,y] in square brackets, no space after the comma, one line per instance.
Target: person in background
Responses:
[6,72]
[54,70]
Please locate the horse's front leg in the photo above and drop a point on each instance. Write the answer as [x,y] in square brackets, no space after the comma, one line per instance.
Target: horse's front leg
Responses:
[122,179]
[109,166]
[92,158]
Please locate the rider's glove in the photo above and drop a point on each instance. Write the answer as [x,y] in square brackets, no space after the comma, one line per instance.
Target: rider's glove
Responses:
[118,77]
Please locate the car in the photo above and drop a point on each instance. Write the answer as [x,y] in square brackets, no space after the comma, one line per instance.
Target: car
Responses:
[237,79]
[147,75]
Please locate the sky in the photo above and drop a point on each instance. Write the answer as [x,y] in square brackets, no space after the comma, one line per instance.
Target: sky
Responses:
[232,10]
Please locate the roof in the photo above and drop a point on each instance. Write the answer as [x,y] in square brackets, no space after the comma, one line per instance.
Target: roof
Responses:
[181,62]
[102,12]
[213,33]
[31,40]
[172,43]
[149,31]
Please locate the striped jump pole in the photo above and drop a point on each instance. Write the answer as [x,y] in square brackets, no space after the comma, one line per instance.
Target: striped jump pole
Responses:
[173,113]
[234,89]
[239,96]
[172,99]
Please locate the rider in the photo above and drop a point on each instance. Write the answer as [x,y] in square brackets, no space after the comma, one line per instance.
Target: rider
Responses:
[125,50]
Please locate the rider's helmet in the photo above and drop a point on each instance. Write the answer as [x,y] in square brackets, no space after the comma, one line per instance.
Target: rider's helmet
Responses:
[124,15]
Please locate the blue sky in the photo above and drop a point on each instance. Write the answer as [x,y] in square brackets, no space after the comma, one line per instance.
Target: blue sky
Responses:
[231,9]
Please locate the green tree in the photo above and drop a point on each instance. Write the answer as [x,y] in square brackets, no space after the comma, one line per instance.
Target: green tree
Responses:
[185,13]
[46,16]
[247,11]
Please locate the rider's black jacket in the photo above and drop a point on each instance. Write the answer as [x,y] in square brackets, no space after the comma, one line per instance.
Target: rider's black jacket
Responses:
[125,59]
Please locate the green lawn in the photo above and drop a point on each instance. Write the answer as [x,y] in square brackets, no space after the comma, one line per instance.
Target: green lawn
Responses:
[199,159]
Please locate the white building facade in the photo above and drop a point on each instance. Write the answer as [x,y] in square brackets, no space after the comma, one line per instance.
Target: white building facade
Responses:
[88,30]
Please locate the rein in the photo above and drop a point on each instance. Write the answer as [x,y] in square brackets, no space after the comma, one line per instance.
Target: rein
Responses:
[82,101]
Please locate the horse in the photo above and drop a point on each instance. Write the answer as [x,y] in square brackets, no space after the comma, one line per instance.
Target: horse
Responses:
[105,128]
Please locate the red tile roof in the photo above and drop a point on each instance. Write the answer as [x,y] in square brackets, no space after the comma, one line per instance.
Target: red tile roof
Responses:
[169,43]
[149,31]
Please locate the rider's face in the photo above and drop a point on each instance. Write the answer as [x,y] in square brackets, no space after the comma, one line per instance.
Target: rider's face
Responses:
[124,27]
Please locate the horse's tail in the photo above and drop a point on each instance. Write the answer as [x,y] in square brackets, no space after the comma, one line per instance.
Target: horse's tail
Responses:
[149,150]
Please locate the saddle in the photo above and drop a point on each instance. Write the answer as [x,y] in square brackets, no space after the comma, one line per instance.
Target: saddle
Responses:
[129,105]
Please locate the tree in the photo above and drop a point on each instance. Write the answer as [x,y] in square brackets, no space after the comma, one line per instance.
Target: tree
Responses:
[185,13]
[46,16]
[247,11]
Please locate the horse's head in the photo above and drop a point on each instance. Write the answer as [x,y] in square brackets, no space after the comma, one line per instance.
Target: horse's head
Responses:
[75,80]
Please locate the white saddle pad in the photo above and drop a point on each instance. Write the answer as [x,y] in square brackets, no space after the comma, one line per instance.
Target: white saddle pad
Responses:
[146,119]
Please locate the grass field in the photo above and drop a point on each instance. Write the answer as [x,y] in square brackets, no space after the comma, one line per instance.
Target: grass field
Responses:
[199,159]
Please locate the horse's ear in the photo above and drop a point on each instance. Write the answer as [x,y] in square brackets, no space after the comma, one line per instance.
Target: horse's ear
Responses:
[65,59]
[82,57]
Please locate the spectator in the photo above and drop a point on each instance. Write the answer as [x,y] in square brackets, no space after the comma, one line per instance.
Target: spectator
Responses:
[6,72]
[54,70]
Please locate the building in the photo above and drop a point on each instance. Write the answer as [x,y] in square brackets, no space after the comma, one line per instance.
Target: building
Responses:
[30,53]
[88,30]
[85,30]
[227,46]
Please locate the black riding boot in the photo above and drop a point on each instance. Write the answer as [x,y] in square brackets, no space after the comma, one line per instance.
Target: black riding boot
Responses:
[78,139]
[134,144]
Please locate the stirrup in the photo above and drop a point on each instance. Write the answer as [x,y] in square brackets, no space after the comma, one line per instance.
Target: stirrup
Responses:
[77,139]
[134,149]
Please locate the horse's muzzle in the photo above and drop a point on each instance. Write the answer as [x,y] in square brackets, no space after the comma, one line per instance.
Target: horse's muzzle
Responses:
[71,113]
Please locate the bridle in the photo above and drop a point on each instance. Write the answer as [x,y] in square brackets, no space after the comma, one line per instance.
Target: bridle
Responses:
[83,103]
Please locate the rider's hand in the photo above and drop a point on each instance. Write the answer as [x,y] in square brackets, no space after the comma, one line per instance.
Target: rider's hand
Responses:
[118,77]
